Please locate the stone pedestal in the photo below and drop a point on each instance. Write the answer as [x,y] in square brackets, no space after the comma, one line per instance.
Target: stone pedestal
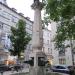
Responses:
[36,69]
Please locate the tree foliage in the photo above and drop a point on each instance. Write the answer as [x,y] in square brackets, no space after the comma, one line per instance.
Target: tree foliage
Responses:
[19,38]
[57,9]
[62,12]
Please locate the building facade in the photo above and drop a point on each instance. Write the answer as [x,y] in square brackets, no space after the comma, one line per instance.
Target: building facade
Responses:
[47,44]
[63,56]
[9,17]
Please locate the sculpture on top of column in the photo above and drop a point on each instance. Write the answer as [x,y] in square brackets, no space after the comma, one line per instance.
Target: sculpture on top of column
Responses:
[37,4]
[36,0]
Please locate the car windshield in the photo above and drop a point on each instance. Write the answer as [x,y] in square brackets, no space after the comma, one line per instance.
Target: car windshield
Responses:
[60,67]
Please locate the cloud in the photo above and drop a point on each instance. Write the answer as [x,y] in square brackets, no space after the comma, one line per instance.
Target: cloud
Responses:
[23,6]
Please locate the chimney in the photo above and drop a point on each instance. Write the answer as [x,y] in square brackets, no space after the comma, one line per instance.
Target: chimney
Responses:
[21,14]
[13,9]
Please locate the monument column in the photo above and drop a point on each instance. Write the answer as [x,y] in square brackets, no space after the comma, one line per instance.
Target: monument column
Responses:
[37,38]
[37,56]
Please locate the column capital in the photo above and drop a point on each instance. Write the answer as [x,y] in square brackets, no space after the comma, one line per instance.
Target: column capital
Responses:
[37,5]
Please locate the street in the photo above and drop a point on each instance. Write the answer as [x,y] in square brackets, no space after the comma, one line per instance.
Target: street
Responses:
[25,70]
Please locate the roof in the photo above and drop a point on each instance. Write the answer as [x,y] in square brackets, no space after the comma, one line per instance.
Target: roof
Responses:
[15,12]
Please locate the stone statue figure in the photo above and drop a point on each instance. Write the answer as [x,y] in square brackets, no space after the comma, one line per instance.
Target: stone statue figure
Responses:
[36,1]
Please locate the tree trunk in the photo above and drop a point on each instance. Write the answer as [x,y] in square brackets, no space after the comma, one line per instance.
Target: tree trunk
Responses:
[71,43]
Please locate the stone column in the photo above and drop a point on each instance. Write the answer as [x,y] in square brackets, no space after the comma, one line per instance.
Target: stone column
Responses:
[37,38]
[37,41]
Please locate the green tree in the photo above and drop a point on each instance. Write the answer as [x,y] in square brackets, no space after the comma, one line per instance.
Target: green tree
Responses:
[57,9]
[62,12]
[19,38]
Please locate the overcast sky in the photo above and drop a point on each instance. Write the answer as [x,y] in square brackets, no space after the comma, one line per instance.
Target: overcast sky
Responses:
[23,6]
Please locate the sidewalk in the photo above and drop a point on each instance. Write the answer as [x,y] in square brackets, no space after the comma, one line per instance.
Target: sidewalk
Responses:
[25,70]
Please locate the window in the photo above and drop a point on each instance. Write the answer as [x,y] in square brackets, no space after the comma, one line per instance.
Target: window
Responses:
[29,31]
[14,19]
[0,9]
[43,49]
[62,51]
[8,15]
[62,61]
[48,34]
[4,15]
[30,47]
[29,26]
[51,51]
[48,50]
[1,25]
[6,28]
[48,42]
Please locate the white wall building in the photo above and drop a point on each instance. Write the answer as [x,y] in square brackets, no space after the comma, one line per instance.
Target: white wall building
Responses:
[9,17]
[63,57]
[47,44]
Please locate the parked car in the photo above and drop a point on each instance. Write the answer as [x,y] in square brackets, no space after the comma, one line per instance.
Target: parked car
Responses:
[18,67]
[4,68]
[72,70]
[60,69]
